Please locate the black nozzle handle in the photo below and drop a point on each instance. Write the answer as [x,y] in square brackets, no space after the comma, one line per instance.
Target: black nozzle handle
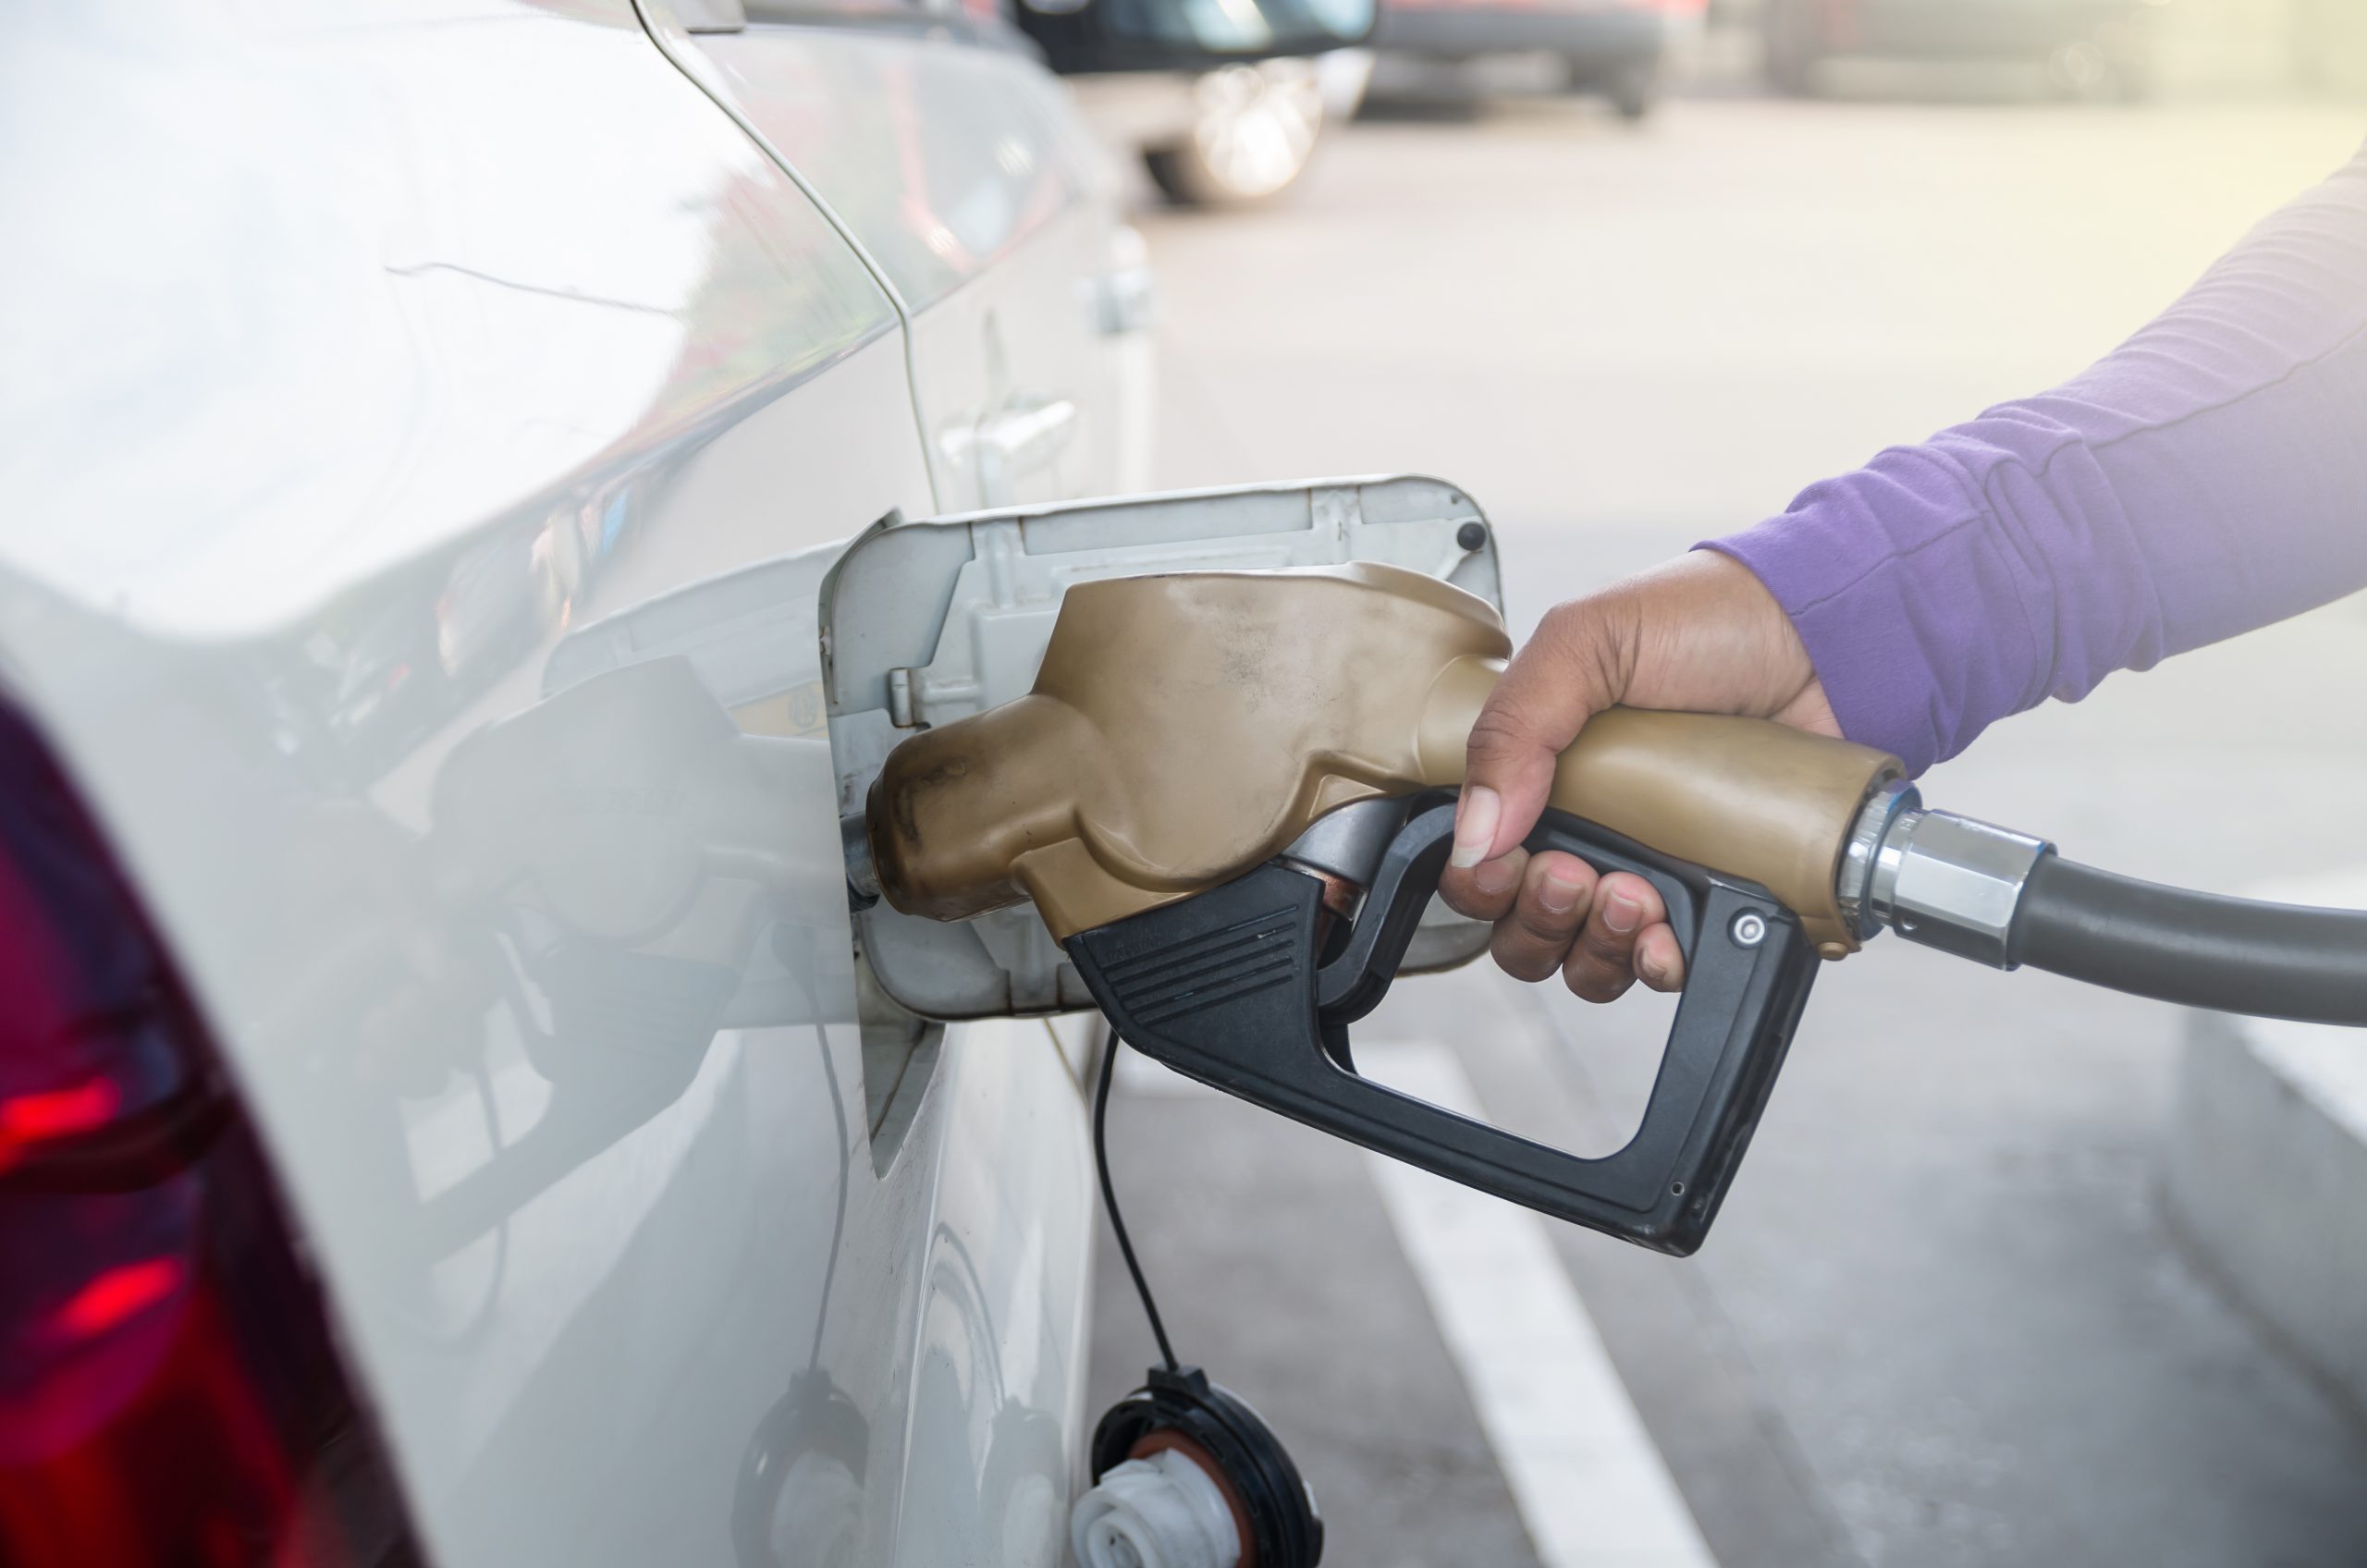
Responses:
[1226,987]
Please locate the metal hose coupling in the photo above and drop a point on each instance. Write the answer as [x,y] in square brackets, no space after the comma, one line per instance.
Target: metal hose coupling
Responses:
[1937,879]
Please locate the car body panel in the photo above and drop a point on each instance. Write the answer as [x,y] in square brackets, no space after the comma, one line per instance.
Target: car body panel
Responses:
[1600,32]
[359,358]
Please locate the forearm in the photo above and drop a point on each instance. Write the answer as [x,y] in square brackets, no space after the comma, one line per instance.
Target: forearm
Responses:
[2208,476]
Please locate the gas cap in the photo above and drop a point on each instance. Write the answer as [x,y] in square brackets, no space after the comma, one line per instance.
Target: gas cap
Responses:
[1163,1510]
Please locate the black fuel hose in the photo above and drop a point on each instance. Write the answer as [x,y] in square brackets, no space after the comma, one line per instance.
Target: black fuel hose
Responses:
[2199,950]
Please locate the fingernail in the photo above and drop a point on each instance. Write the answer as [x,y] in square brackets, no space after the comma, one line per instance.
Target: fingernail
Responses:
[1653,967]
[1492,877]
[1559,895]
[1621,913]
[1475,825]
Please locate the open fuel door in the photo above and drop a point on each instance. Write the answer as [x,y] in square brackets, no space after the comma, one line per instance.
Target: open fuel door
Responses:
[923,622]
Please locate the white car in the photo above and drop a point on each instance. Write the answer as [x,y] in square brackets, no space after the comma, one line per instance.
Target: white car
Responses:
[442,1117]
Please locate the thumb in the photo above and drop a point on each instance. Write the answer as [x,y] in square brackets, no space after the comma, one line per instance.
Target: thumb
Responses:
[1564,675]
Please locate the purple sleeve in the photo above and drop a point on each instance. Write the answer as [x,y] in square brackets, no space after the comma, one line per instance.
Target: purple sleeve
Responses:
[2208,476]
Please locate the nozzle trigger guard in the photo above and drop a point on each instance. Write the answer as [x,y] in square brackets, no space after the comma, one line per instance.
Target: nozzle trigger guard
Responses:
[1230,987]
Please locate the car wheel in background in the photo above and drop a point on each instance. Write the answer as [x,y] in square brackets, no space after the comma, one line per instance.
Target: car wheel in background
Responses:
[1632,87]
[1254,129]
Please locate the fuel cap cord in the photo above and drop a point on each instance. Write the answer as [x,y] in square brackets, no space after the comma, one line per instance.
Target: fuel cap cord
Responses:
[1110,1044]
[1185,1473]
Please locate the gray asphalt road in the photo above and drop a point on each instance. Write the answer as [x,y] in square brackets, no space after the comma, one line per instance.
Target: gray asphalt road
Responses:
[1940,1321]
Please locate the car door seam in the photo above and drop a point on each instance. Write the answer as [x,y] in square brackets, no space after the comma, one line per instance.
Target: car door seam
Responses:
[671,50]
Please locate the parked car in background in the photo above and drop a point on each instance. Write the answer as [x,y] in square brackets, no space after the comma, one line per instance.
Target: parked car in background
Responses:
[2089,47]
[443,1118]
[1231,137]
[1615,48]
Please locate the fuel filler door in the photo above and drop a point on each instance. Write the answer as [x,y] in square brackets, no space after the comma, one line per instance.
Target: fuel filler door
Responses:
[924,622]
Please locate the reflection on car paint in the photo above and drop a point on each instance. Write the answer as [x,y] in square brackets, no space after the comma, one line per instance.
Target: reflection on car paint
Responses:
[935,159]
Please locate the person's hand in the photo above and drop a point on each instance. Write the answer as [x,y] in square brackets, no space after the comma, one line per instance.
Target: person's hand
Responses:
[1699,634]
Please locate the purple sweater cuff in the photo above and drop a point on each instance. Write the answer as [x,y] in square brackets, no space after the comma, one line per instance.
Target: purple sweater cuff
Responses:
[1916,648]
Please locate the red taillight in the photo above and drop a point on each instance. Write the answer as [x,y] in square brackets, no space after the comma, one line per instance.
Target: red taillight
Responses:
[117,1293]
[35,1118]
[170,1390]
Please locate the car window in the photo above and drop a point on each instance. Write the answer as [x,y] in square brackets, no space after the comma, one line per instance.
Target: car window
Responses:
[936,155]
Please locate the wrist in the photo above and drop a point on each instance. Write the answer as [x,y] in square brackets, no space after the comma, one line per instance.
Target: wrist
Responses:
[1710,637]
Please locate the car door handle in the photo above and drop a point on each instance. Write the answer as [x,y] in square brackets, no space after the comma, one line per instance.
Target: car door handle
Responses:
[1026,431]
[1023,433]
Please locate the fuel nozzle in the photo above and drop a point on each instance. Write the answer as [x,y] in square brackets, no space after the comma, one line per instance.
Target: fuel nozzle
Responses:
[1231,795]
[1158,756]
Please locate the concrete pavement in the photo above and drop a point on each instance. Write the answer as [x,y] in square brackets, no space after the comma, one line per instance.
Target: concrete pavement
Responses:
[1942,1321]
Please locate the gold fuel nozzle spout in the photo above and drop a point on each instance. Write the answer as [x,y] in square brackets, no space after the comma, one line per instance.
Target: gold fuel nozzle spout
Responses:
[1185,728]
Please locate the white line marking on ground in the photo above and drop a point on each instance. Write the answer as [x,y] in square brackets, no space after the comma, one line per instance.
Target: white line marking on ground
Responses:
[1591,1488]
